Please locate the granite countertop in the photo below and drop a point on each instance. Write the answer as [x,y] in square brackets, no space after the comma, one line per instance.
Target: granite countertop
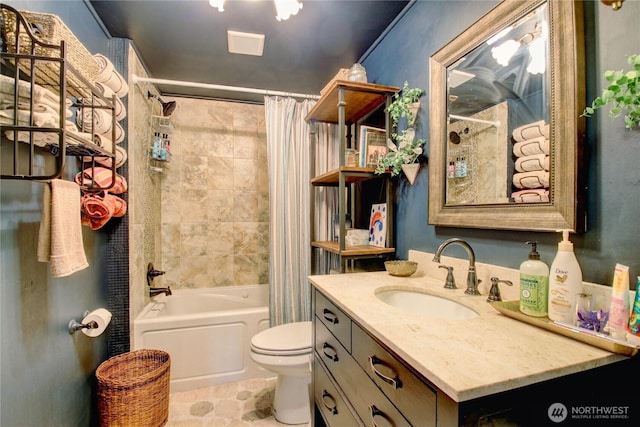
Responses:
[465,359]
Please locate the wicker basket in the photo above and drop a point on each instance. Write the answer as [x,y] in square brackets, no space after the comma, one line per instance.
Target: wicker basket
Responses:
[133,389]
[49,29]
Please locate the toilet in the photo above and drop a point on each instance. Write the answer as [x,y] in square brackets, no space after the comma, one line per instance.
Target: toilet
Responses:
[286,351]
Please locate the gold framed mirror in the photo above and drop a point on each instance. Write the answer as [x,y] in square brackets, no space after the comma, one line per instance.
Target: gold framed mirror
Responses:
[505,147]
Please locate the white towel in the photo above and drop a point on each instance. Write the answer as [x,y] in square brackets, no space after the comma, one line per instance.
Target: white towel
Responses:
[106,91]
[60,237]
[110,77]
[534,179]
[531,147]
[532,130]
[96,118]
[536,162]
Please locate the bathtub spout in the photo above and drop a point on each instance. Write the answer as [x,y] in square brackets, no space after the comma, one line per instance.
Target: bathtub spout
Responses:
[157,291]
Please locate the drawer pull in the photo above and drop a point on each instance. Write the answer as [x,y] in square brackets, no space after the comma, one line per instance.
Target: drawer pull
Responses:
[333,408]
[333,356]
[375,412]
[329,316]
[394,382]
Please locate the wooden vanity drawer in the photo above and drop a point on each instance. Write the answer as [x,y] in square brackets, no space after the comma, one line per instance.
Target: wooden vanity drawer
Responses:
[415,399]
[329,401]
[334,319]
[369,402]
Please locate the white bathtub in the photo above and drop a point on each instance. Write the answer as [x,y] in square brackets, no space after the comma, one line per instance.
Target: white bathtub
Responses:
[207,333]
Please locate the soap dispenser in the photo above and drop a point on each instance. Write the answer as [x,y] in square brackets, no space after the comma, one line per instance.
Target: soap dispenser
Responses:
[534,284]
[565,282]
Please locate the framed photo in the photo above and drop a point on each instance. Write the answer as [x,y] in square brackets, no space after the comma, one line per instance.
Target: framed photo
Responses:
[378,225]
[373,145]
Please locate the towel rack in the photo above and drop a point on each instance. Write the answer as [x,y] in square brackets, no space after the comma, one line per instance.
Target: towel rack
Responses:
[30,65]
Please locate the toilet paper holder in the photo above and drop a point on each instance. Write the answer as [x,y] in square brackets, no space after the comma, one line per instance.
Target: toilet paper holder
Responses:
[75,326]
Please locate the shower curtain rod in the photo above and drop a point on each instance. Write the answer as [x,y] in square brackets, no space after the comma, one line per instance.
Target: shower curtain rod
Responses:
[137,79]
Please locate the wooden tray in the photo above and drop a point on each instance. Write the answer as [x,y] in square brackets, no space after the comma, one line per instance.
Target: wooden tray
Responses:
[512,309]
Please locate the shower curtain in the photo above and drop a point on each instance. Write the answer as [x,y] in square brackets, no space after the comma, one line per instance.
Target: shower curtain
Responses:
[289,157]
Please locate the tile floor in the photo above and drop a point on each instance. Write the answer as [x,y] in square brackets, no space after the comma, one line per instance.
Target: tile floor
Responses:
[241,404]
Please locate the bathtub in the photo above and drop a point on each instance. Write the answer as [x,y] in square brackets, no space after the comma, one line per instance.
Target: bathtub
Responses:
[207,333]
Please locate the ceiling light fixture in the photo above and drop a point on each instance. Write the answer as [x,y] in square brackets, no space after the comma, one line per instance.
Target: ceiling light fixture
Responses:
[284,8]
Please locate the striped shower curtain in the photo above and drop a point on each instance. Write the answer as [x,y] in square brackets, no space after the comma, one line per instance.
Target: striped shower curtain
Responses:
[288,156]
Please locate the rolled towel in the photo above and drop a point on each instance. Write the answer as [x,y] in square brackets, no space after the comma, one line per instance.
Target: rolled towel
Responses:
[531,196]
[95,211]
[106,91]
[110,77]
[535,162]
[533,179]
[102,178]
[119,133]
[531,147]
[121,158]
[530,131]
[94,120]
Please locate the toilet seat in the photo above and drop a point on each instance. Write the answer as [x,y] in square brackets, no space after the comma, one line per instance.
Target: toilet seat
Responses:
[290,339]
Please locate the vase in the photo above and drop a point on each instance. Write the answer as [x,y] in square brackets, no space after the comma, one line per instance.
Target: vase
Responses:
[411,171]
[414,107]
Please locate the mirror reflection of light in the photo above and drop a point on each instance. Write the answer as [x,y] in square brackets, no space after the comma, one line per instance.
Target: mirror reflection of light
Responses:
[286,8]
[218,4]
[500,35]
[505,52]
[538,54]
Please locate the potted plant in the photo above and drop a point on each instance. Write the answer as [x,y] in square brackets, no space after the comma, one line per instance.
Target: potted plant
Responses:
[404,149]
[623,93]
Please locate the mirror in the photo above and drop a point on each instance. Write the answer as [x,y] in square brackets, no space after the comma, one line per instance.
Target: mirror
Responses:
[505,131]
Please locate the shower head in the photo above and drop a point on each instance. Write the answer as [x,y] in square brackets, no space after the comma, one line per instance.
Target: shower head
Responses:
[167,107]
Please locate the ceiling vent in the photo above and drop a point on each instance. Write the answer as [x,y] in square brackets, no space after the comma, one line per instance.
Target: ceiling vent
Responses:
[245,43]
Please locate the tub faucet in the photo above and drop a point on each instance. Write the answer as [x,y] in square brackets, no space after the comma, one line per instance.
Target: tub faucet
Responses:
[472,278]
[157,291]
[152,273]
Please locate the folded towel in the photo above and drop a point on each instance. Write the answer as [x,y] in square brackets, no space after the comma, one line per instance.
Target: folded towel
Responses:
[535,162]
[39,93]
[531,146]
[533,179]
[531,196]
[60,236]
[110,77]
[24,117]
[532,130]
[42,139]
[42,106]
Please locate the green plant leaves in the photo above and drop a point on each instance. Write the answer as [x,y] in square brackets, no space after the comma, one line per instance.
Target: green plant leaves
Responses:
[623,93]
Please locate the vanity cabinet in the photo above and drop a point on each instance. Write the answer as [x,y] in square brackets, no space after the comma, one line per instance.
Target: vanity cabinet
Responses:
[358,382]
[346,104]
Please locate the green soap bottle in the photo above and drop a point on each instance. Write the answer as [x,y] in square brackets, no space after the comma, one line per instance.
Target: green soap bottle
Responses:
[534,284]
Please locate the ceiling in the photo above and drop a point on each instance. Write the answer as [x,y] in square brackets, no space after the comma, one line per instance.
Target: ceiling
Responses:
[187,41]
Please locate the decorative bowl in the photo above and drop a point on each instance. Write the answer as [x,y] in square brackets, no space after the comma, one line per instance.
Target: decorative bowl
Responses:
[401,268]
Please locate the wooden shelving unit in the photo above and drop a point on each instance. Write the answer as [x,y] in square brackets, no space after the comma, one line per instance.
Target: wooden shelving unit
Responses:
[346,103]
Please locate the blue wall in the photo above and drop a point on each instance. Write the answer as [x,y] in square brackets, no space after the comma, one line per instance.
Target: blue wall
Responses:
[47,374]
[611,151]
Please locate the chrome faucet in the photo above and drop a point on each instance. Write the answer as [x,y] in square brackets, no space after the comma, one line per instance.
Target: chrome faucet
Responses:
[472,278]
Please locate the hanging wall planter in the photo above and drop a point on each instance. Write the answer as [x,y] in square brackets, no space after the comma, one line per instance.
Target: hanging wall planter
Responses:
[411,171]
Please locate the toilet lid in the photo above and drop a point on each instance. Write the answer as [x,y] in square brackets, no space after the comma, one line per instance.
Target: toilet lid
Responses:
[284,340]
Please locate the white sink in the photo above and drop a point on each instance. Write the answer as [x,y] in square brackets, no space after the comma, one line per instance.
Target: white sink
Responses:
[416,302]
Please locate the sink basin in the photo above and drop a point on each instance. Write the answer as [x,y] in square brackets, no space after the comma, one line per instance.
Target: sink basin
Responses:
[423,304]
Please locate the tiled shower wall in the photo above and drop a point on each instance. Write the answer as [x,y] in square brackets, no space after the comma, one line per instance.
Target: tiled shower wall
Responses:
[215,196]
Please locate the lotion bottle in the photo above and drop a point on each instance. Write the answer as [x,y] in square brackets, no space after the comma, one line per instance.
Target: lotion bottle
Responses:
[565,282]
[534,284]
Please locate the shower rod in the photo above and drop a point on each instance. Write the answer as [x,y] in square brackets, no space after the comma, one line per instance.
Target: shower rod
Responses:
[137,79]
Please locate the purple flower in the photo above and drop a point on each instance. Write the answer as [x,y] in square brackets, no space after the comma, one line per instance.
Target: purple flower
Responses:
[593,320]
